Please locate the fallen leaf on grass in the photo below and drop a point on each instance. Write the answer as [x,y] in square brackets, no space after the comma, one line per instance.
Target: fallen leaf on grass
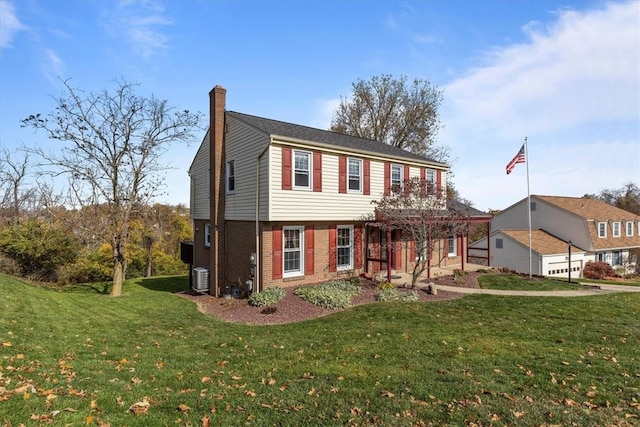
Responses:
[204,421]
[386,394]
[571,402]
[141,407]
[519,414]
[183,408]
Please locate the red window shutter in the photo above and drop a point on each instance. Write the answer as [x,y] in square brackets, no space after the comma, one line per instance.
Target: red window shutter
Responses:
[423,183]
[317,171]
[423,174]
[286,168]
[276,244]
[439,183]
[406,173]
[333,254]
[412,251]
[459,248]
[366,177]
[342,174]
[397,246]
[357,247]
[387,179]
[308,250]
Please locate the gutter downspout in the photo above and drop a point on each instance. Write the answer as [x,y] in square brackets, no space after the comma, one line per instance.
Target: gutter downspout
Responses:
[256,287]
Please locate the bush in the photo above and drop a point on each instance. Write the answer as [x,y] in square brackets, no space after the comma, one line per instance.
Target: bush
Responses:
[396,295]
[598,270]
[334,295]
[267,297]
[383,286]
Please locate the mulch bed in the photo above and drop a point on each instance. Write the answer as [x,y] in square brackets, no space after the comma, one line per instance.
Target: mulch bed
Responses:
[292,308]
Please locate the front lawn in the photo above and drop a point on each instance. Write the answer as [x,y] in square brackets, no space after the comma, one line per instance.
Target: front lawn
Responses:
[513,282]
[150,358]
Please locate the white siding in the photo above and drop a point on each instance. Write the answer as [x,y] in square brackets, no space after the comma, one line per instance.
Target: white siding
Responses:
[328,205]
[558,222]
[513,255]
[243,146]
[199,173]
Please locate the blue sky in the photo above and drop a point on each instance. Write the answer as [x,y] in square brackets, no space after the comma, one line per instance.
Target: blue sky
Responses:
[564,74]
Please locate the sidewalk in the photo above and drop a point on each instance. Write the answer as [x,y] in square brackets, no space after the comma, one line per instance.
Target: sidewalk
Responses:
[589,289]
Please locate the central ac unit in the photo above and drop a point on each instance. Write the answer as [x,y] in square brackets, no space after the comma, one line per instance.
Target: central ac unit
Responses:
[200,279]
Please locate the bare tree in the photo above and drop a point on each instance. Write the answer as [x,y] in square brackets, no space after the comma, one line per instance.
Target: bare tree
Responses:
[114,141]
[395,112]
[14,170]
[420,211]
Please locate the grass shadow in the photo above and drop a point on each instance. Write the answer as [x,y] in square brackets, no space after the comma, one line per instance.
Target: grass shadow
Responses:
[170,284]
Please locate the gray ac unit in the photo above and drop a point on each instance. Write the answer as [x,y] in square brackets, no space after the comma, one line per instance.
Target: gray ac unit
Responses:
[200,279]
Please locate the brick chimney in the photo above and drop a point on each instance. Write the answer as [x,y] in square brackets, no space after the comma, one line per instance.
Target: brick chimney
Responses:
[217,101]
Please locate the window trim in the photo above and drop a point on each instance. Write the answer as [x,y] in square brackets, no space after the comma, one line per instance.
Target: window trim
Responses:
[230,178]
[345,267]
[629,228]
[207,235]
[359,162]
[616,229]
[301,249]
[453,253]
[309,171]
[602,229]
[398,186]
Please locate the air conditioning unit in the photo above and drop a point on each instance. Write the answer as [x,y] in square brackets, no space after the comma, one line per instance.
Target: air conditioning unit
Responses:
[200,279]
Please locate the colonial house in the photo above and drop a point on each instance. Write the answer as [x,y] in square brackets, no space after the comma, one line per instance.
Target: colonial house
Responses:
[594,230]
[280,204]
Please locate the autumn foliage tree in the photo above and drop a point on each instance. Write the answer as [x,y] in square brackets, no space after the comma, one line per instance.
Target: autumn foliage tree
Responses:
[395,112]
[419,210]
[110,147]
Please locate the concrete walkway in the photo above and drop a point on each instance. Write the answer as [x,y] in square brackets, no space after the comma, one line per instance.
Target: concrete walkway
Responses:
[589,289]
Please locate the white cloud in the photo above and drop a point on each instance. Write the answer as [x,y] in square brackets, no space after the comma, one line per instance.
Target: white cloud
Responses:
[52,66]
[140,22]
[573,88]
[324,113]
[9,23]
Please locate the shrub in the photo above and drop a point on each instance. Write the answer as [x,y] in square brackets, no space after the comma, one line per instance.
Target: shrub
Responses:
[385,285]
[460,273]
[267,297]
[598,270]
[396,295]
[334,295]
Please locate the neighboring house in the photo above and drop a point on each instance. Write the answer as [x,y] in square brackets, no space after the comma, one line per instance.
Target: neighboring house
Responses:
[279,204]
[601,232]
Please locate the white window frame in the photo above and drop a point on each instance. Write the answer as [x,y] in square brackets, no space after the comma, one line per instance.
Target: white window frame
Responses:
[616,229]
[207,235]
[602,230]
[231,177]
[453,239]
[420,248]
[396,184]
[354,177]
[629,228]
[300,249]
[309,170]
[349,246]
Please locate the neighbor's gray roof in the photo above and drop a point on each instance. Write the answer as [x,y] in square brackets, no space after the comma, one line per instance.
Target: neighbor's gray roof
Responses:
[290,130]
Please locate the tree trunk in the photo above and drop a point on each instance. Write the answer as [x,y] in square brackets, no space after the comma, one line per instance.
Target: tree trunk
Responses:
[119,268]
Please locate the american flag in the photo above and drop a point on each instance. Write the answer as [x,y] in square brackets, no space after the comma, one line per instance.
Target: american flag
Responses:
[519,158]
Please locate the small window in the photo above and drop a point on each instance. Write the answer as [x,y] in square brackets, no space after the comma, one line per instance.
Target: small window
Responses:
[499,243]
[231,177]
[602,229]
[355,175]
[616,229]
[207,235]
[293,242]
[431,181]
[629,227]
[344,247]
[616,258]
[533,206]
[396,177]
[302,170]
[452,244]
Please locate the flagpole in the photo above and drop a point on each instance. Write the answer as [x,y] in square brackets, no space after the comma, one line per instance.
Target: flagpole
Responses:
[526,156]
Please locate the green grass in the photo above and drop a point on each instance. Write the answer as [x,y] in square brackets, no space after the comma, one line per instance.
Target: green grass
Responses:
[482,360]
[513,282]
[634,281]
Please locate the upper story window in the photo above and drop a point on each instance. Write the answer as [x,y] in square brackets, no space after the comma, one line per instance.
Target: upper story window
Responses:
[355,175]
[629,227]
[302,169]
[602,229]
[616,229]
[431,181]
[231,176]
[396,177]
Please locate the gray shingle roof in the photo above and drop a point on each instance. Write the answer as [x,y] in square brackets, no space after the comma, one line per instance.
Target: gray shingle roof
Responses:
[290,130]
